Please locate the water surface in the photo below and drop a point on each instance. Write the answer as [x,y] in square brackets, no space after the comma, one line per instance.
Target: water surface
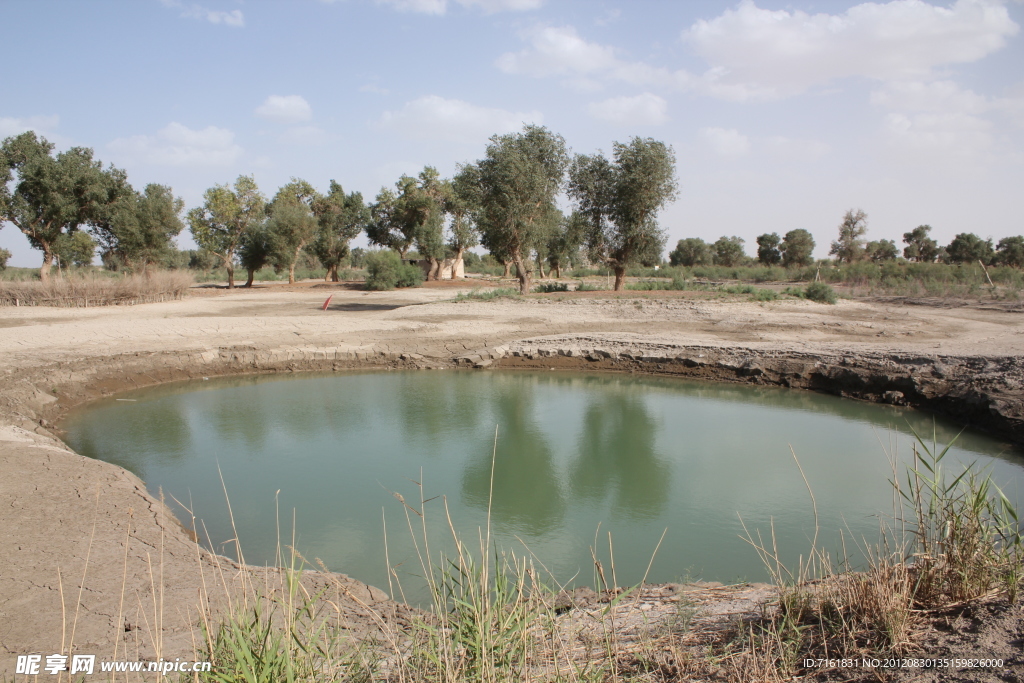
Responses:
[578,456]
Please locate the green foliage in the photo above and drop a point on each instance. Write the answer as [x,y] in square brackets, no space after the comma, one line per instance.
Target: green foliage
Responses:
[768,252]
[551,287]
[218,226]
[139,229]
[797,248]
[588,287]
[620,200]
[920,247]
[518,180]
[677,284]
[5,255]
[820,292]
[385,270]
[76,249]
[765,295]
[967,248]
[340,218]
[881,250]
[47,196]
[1010,251]
[692,251]
[729,251]
[489,294]
[850,245]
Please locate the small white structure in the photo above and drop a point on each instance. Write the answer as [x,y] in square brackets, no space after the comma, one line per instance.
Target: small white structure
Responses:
[451,269]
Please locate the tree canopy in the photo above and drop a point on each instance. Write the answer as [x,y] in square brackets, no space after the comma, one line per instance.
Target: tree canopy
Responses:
[920,247]
[621,200]
[850,245]
[797,248]
[219,225]
[340,217]
[768,252]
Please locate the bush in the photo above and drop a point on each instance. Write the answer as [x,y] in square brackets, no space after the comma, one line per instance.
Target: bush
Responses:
[387,271]
[820,292]
[550,287]
[766,295]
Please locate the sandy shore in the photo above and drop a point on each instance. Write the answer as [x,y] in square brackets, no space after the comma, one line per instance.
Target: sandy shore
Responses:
[93,562]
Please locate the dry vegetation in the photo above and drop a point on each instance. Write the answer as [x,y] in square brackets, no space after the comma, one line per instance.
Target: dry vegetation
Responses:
[96,290]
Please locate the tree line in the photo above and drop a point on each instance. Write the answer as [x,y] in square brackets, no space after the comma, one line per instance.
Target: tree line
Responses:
[796,247]
[68,204]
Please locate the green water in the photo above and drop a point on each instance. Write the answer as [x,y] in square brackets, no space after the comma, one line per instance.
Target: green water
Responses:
[578,456]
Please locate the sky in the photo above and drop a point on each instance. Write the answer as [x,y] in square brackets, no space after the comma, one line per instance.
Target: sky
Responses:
[782,115]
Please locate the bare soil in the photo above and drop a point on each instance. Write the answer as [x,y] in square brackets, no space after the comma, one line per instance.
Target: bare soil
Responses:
[93,563]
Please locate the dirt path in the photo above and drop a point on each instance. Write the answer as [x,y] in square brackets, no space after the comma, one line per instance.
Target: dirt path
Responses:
[92,562]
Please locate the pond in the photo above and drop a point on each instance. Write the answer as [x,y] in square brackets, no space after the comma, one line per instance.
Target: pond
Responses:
[577,457]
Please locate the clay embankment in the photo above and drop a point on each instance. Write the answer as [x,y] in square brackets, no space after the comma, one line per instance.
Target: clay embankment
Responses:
[64,517]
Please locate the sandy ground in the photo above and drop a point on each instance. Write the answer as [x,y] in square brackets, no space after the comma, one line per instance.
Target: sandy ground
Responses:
[91,562]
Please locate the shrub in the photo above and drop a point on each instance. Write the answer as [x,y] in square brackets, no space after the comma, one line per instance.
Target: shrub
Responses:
[820,292]
[385,270]
[550,287]
[587,287]
[765,295]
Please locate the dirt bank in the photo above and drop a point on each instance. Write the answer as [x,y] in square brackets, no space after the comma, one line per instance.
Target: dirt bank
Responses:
[94,562]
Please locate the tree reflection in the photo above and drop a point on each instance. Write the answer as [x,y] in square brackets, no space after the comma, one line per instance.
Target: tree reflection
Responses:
[527,495]
[617,456]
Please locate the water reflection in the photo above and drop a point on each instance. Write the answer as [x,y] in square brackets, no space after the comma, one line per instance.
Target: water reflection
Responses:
[527,496]
[617,457]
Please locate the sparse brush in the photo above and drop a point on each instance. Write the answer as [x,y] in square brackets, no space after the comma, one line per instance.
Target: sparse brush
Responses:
[551,287]
[95,290]
[488,294]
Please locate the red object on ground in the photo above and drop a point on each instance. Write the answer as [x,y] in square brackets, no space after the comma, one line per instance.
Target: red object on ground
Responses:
[326,303]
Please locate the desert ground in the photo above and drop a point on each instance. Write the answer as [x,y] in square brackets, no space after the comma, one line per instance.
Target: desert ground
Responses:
[94,563]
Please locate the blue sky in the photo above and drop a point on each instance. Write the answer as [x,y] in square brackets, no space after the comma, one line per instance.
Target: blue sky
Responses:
[783,115]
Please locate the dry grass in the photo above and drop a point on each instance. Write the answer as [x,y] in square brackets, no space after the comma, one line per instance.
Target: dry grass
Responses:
[93,290]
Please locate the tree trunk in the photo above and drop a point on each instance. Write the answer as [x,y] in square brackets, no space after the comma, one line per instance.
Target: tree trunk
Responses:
[620,276]
[523,275]
[508,269]
[434,272]
[333,273]
[231,277]
[291,274]
[558,271]
[252,275]
[44,269]
[455,263]
[540,267]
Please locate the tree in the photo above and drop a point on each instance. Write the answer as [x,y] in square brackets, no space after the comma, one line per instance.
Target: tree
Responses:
[621,200]
[426,211]
[340,219]
[967,247]
[291,224]
[76,249]
[5,255]
[1010,251]
[920,247]
[797,248]
[882,250]
[768,253]
[219,225]
[566,240]
[47,196]
[692,251]
[255,250]
[519,178]
[850,245]
[139,228]
[462,204]
[389,225]
[729,251]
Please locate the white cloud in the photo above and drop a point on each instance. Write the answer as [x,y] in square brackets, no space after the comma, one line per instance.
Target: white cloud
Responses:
[645,109]
[234,18]
[42,125]
[439,7]
[558,51]
[178,145]
[934,96]
[306,135]
[952,136]
[726,141]
[285,109]
[758,54]
[436,118]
